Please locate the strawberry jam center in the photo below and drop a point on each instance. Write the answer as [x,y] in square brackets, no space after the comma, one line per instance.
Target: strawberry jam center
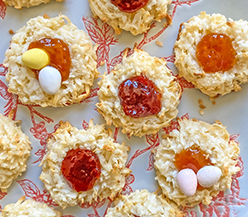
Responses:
[81,168]
[58,53]
[129,6]
[139,97]
[191,158]
[215,53]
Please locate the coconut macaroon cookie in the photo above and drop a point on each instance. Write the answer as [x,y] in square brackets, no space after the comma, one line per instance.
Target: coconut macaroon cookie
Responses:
[19,4]
[195,162]
[143,203]
[211,52]
[83,165]
[134,16]
[50,63]
[140,94]
[14,151]
[29,208]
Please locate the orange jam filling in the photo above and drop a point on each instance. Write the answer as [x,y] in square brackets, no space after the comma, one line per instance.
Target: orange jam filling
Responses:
[215,53]
[58,53]
[191,158]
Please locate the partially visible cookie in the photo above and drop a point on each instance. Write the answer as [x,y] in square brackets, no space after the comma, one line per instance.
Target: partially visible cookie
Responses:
[14,151]
[143,203]
[29,208]
[137,22]
[19,4]
[222,66]
[103,162]
[198,137]
[140,94]
[24,81]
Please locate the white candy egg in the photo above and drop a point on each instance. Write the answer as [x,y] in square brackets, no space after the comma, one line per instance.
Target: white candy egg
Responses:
[50,80]
[207,176]
[187,181]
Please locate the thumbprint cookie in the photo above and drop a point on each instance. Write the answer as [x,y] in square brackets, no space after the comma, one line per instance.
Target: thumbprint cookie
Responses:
[140,94]
[14,151]
[211,52]
[30,208]
[50,63]
[135,16]
[143,203]
[83,165]
[195,162]
[19,4]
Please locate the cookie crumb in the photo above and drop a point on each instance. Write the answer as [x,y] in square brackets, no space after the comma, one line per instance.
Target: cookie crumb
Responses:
[213,102]
[165,136]
[201,106]
[159,43]
[214,97]
[11,32]
[169,20]
[218,122]
[45,16]
[102,63]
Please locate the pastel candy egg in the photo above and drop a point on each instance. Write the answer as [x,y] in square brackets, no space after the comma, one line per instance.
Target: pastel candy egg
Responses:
[207,176]
[187,181]
[35,58]
[50,80]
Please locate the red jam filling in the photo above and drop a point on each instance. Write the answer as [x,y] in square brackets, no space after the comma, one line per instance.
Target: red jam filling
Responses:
[139,97]
[215,53]
[129,6]
[192,158]
[81,168]
[58,53]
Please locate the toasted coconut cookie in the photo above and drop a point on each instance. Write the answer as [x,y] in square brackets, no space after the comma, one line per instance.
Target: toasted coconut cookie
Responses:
[14,151]
[22,79]
[220,78]
[18,4]
[213,140]
[137,22]
[29,208]
[112,157]
[154,69]
[143,203]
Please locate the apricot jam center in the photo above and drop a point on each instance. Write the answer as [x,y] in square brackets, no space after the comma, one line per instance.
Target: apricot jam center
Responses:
[81,168]
[129,6]
[139,97]
[58,53]
[215,53]
[191,158]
